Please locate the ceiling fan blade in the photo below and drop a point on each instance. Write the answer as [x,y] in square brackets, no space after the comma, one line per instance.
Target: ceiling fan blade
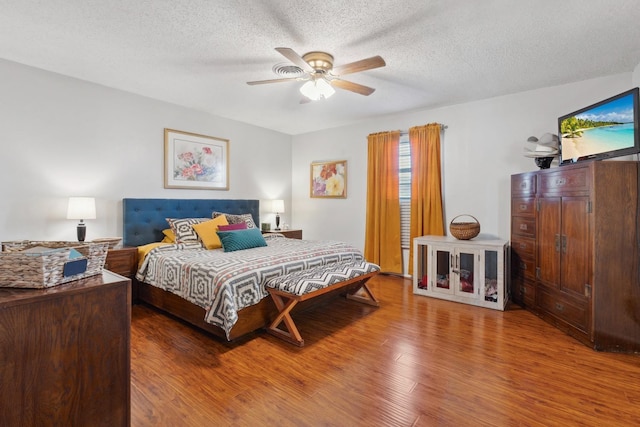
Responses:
[362,65]
[353,87]
[292,56]
[261,82]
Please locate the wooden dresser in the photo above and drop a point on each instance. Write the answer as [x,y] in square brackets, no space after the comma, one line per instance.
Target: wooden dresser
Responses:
[574,250]
[65,354]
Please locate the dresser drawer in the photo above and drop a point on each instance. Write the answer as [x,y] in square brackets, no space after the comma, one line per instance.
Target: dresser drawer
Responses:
[523,226]
[523,184]
[575,313]
[564,180]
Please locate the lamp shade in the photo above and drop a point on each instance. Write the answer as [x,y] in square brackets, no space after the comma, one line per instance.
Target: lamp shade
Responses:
[81,208]
[277,206]
[317,88]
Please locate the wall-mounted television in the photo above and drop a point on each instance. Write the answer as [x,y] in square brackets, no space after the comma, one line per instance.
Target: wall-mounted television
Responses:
[603,130]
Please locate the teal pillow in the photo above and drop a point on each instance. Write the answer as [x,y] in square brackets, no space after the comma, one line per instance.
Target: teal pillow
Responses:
[238,240]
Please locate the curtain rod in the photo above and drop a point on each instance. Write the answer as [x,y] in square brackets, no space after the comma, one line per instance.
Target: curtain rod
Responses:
[405,132]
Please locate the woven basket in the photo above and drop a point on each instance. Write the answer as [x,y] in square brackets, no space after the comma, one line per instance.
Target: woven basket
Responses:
[464,230]
[31,264]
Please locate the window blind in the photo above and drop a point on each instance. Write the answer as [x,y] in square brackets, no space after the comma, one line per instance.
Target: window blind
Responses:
[404,166]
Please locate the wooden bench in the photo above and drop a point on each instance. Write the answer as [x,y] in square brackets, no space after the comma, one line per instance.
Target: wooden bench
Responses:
[287,291]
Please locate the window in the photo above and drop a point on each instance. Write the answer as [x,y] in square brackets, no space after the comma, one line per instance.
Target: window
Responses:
[404,166]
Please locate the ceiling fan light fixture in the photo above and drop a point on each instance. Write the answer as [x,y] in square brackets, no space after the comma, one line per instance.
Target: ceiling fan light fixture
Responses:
[316,68]
[317,88]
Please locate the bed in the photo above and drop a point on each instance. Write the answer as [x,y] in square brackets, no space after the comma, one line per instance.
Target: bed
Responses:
[240,303]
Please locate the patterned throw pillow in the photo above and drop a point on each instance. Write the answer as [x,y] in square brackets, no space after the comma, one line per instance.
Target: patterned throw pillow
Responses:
[237,219]
[183,228]
[241,239]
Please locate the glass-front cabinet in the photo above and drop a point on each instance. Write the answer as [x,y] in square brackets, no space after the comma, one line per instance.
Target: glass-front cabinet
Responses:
[467,271]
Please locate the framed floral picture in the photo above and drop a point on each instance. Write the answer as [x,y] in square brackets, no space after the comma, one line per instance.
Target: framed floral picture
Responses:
[195,161]
[329,179]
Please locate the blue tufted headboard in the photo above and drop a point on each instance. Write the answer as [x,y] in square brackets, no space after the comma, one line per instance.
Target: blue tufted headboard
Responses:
[144,219]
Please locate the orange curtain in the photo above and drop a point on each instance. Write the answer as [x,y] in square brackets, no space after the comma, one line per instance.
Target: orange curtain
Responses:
[426,184]
[382,244]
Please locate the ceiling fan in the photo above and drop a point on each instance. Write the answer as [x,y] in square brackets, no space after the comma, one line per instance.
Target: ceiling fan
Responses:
[316,68]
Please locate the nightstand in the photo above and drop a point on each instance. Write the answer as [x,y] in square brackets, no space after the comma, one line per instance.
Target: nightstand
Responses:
[291,234]
[123,261]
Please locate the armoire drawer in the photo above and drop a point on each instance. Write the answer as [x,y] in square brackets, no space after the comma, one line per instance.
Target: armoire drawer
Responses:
[523,184]
[523,206]
[523,226]
[523,267]
[564,180]
[524,247]
[563,308]
[523,291]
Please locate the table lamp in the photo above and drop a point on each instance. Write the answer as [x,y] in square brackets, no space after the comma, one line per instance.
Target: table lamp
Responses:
[81,208]
[278,207]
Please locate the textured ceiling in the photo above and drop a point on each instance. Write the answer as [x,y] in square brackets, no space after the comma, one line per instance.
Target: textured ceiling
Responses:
[201,53]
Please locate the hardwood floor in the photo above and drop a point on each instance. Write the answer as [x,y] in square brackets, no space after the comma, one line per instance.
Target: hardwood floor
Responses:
[414,361]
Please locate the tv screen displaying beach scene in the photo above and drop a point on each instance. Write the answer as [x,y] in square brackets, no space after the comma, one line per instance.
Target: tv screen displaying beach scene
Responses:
[603,130]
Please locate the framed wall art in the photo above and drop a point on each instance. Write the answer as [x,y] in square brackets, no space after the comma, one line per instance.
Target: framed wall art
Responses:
[195,161]
[329,179]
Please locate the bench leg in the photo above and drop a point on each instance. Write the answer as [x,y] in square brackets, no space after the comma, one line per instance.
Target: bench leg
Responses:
[366,297]
[285,303]
[284,308]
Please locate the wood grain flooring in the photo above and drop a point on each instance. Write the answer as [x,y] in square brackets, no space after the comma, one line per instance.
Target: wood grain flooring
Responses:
[414,361]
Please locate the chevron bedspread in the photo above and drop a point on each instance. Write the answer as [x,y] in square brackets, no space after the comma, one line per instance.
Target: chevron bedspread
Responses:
[223,283]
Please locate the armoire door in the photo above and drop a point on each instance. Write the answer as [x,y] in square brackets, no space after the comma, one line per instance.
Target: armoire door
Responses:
[563,243]
[574,273]
[549,240]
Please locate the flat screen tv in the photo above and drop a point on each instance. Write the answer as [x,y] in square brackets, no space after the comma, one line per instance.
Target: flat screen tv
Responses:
[603,130]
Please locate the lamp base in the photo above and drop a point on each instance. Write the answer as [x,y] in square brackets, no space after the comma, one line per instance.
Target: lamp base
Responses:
[82,232]
[277,222]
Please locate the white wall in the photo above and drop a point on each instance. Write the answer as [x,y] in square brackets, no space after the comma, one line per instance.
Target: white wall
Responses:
[64,137]
[482,149]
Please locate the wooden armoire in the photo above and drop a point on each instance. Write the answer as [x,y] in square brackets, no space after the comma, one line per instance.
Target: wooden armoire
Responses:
[575,248]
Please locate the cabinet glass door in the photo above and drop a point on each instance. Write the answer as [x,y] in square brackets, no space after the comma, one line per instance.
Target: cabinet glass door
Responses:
[422,264]
[465,268]
[491,276]
[442,267]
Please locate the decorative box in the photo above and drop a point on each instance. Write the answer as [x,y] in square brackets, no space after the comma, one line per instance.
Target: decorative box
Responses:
[39,264]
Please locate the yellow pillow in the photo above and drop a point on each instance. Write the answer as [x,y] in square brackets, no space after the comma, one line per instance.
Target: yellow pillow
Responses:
[145,249]
[207,231]
[169,236]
